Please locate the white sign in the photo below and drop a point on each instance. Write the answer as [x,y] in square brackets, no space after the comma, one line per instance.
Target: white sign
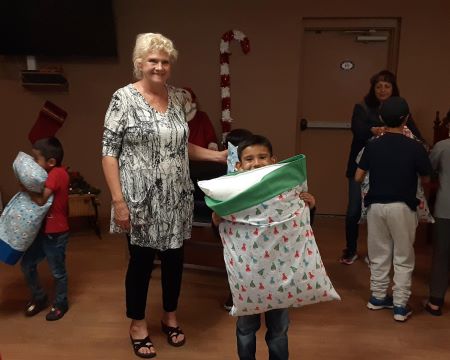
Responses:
[347,65]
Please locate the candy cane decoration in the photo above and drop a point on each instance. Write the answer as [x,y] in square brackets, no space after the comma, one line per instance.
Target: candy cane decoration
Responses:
[225,74]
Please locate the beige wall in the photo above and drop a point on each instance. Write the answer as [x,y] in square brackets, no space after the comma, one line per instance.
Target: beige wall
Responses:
[264,83]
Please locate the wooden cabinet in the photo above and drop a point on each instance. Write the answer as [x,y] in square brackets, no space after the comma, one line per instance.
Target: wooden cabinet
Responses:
[85,205]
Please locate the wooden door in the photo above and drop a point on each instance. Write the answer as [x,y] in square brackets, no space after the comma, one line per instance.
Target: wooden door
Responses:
[336,68]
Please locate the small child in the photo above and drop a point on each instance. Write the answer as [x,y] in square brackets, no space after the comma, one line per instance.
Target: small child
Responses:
[52,239]
[255,152]
[440,160]
[394,162]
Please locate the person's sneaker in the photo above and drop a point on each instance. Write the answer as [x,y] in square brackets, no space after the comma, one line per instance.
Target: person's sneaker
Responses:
[229,303]
[35,306]
[402,313]
[378,304]
[348,258]
[55,313]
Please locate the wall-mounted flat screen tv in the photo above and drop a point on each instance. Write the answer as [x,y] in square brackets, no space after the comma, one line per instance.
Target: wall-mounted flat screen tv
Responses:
[57,28]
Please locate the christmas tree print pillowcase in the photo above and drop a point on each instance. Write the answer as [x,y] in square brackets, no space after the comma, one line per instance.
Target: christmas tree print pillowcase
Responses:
[270,252]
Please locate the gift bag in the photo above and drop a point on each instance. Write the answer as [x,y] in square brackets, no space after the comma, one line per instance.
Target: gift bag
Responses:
[270,252]
[22,218]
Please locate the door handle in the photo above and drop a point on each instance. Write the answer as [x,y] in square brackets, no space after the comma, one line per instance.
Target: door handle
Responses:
[303,124]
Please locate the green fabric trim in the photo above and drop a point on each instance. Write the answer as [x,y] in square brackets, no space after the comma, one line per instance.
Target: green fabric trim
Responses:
[271,185]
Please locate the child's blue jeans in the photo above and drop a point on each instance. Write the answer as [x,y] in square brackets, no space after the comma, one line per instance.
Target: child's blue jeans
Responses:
[52,247]
[277,323]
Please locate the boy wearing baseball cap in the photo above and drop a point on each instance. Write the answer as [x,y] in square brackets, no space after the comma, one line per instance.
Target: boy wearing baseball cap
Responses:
[395,162]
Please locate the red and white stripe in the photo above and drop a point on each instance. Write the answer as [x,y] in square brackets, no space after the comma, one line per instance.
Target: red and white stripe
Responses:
[225,53]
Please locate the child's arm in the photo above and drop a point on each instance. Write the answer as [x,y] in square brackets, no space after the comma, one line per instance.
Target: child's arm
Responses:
[308,199]
[424,167]
[311,202]
[216,219]
[41,198]
[38,198]
[360,174]
[215,225]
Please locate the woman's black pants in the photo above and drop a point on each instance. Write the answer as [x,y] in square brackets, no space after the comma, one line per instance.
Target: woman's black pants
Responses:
[139,271]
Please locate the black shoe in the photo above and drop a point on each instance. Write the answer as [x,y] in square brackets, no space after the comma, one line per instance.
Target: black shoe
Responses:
[35,306]
[56,313]
[348,257]
[434,312]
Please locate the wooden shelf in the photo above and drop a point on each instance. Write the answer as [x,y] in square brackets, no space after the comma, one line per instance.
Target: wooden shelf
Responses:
[44,80]
[33,86]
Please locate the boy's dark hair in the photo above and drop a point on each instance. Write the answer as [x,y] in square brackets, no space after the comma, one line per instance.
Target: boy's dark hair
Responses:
[50,148]
[394,111]
[236,136]
[385,75]
[254,140]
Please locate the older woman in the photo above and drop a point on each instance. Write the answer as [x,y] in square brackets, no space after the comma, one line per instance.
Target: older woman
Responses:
[146,166]
[365,124]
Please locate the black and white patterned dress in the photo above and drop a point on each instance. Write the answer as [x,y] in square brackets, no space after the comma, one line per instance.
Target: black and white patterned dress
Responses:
[152,151]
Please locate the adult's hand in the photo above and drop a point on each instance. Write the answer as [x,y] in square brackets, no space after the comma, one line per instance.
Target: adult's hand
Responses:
[198,153]
[121,214]
[378,130]
[223,156]
[110,166]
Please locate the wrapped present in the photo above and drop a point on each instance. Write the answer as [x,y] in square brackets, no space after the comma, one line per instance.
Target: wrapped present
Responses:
[270,252]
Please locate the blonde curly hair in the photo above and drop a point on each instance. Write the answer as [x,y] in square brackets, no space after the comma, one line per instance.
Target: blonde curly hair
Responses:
[150,42]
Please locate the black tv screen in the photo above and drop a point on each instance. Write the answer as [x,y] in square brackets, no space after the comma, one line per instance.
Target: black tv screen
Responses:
[57,28]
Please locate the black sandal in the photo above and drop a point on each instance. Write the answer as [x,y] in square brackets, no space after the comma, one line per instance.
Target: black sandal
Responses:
[173,332]
[143,343]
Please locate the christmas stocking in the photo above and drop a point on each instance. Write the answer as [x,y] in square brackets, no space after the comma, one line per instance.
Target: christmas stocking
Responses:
[48,122]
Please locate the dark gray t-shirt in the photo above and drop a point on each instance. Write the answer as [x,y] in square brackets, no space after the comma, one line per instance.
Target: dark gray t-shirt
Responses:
[395,162]
[440,159]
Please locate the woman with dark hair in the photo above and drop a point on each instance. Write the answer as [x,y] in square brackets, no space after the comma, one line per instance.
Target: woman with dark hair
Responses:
[365,124]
